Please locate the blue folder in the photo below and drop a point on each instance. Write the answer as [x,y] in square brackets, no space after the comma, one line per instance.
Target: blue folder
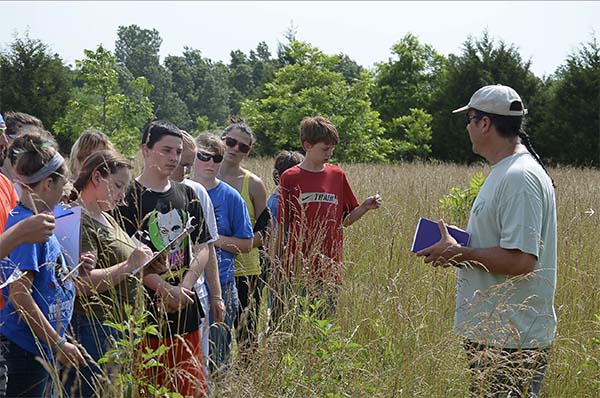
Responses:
[61,210]
[428,234]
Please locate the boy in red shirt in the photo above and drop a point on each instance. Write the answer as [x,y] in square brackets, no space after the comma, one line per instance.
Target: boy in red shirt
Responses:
[315,203]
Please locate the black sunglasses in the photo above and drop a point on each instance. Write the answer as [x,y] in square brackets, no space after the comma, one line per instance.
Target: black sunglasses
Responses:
[232,142]
[205,157]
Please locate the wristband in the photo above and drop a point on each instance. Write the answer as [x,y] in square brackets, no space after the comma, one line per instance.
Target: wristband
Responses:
[58,344]
[217,298]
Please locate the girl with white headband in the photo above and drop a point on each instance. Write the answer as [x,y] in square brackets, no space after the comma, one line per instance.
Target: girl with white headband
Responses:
[39,305]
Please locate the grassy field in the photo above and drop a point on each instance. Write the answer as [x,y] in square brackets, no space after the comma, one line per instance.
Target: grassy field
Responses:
[391,336]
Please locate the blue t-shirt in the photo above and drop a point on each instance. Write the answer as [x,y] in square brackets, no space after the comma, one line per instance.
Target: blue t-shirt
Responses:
[273,204]
[232,220]
[53,297]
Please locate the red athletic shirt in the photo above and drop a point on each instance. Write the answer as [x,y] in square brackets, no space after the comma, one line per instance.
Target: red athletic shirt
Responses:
[314,205]
[8,200]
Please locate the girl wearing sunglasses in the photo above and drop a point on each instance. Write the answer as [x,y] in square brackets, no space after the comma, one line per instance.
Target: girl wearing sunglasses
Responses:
[235,237]
[239,138]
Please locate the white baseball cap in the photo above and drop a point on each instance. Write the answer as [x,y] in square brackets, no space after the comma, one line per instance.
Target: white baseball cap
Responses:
[496,99]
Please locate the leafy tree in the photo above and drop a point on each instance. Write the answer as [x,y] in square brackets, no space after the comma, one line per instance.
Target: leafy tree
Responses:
[482,62]
[203,85]
[414,131]
[348,68]
[263,67]
[101,104]
[138,50]
[241,79]
[310,85]
[33,80]
[202,124]
[569,129]
[402,93]
[408,80]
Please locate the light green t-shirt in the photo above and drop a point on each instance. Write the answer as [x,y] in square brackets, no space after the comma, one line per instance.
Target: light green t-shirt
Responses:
[515,209]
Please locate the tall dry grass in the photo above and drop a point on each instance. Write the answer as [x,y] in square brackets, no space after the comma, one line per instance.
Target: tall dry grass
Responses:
[396,313]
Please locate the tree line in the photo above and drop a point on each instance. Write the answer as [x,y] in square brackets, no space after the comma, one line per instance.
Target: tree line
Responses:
[399,110]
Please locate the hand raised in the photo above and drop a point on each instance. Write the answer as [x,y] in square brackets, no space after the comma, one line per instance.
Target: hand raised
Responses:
[373,202]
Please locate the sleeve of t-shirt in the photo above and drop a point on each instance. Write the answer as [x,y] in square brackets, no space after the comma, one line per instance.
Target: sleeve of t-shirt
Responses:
[283,198]
[209,213]
[350,201]
[240,222]
[272,204]
[26,256]
[13,195]
[200,234]
[520,217]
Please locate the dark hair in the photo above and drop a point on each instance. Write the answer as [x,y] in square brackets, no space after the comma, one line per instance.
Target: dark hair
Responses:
[512,126]
[16,148]
[15,121]
[29,152]
[107,162]
[315,129]
[156,129]
[284,161]
[238,123]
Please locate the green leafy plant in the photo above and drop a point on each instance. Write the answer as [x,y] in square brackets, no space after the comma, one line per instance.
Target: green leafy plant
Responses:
[331,361]
[458,202]
[128,366]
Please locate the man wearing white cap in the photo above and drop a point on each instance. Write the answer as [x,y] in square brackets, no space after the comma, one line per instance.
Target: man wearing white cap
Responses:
[507,276]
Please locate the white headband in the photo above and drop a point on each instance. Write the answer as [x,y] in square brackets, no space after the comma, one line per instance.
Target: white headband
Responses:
[53,164]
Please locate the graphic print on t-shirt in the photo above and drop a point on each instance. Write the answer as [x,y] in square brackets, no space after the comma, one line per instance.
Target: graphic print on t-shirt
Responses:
[318,197]
[165,227]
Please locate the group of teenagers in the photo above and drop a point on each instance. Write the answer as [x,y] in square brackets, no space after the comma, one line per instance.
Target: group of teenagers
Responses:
[207,217]
[196,207]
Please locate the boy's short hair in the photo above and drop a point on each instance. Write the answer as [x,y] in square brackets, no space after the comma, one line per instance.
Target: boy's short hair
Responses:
[284,161]
[210,143]
[315,129]
[156,129]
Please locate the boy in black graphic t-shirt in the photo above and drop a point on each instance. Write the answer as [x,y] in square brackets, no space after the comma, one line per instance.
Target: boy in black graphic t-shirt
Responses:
[160,209]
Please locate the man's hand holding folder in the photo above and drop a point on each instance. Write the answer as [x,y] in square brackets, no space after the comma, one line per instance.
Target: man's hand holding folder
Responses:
[446,251]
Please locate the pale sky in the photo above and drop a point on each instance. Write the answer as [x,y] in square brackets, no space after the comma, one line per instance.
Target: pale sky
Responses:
[544,32]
